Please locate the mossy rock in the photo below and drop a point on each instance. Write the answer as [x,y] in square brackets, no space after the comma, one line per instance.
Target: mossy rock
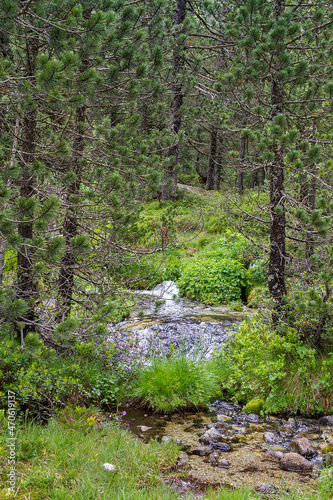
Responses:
[254,406]
[328,448]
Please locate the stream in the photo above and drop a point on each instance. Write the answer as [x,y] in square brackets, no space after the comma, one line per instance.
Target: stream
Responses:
[224,445]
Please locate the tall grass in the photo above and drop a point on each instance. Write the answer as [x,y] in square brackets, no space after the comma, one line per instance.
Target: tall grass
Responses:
[176,382]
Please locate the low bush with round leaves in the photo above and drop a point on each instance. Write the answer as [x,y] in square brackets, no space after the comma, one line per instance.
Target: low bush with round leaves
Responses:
[213,281]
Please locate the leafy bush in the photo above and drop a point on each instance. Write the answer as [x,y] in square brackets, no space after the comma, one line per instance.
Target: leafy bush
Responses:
[278,367]
[176,382]
[95,372]
[213,281]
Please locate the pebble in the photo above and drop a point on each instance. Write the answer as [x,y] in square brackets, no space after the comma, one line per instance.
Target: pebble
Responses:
[266,488]
[109,467]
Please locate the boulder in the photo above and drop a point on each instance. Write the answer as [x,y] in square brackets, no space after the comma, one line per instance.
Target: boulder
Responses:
[254,406]
[302,446]
[295,462]
[328,420]
[211,436]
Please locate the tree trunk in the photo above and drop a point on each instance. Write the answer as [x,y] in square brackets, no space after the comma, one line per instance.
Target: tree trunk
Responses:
[277,258]
[169,185]
[218,164]
[240,176]
[212,160]
[67,266]
[26,288]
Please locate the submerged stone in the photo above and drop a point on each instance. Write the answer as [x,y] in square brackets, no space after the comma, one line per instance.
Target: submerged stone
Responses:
[303,446]
[201,451]
[327,420]
[210,436]
[222,447]
[295,462]
[270,438]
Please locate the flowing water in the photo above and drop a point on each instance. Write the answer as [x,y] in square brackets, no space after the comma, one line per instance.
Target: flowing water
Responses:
[251,446]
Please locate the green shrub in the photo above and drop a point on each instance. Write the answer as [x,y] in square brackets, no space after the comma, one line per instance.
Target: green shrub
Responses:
[176,382]
[279,368]
[212,281]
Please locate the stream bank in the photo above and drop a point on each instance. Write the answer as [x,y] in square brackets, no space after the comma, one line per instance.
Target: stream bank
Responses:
[222,446]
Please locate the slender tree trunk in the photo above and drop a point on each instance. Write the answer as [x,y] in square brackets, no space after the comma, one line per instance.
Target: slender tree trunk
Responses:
[218,164]
[2,257]
[26,288]
[277,258]
[212,160]
[169,185]
[67,266]
[308,200]
[240,176]
[143,124]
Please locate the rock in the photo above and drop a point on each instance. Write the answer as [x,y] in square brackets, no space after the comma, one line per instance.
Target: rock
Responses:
[222,447]
[273,456]
[238,429]
[201,451]
[214,459]
[328,420]
[167,439]
[302,446]
[328,448]
[266,488]
[109,467]
[252,417]
[291,422]
[211,436]
[223,464]
[270,438]
[254,406]
[144,428]
[295,462]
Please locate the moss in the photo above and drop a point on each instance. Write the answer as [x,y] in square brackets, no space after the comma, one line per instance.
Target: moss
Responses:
[328,448]
[254,406]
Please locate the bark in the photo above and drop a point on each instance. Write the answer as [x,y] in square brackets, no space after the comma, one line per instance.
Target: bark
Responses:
[277,258]
[70,228]
[212,160]
[169,185]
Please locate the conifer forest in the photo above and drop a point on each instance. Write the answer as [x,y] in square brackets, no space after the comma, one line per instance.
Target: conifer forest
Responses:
[166,249]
